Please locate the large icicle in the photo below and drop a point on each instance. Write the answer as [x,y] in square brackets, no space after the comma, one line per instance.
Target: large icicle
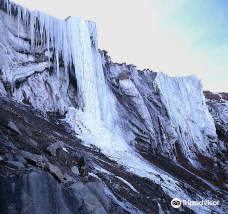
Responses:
[79,40]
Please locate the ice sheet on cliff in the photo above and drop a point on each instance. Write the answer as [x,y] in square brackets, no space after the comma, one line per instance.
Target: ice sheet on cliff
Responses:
[71,46]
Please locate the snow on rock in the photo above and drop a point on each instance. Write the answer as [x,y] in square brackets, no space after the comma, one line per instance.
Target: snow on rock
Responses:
[132,210]
[218,107]
[92,132]
[130,90]
[128,184]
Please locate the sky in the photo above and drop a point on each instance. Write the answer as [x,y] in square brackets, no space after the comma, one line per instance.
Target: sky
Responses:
[177,37]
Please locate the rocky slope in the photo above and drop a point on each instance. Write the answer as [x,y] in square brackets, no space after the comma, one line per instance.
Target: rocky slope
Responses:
[138,138]
[44,168]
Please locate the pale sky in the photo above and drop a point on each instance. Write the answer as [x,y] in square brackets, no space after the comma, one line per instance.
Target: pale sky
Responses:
[177,37]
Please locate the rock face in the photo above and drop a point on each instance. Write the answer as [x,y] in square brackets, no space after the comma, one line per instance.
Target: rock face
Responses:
[218,107]
[28,188]
[142,122]
[23,195]
[44,183]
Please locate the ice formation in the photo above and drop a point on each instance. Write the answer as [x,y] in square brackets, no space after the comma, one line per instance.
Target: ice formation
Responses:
[74,41]
[185,103]
[54,65]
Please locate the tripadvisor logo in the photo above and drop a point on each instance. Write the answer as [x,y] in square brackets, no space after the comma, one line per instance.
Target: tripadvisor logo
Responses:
[176,203]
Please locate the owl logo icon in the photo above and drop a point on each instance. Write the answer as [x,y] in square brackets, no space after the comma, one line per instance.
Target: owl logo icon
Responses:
[176,203]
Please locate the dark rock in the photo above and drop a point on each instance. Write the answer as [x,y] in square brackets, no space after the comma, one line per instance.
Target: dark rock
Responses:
[37,192]
[15,165]
[78,157]
[32,142]
[13,127]
[20,159]
[54,170]
[124,75]
[39,160]
[68,179]
[87,200]
[83,171]
[102,198]
[8,157]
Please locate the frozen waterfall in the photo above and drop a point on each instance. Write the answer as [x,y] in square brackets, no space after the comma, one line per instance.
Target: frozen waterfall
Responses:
[74,41]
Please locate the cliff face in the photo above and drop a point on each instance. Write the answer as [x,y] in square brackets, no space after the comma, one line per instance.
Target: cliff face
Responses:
[55,67]
[53,64]
[218,108]
[164,114]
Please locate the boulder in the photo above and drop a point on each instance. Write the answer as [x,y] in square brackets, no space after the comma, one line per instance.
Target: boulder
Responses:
[53,147]
[38,160]
[100,195]
[75,170]
[13,127]
[15,165]
[32,142]
[20,159]
[54,170]
[124,75]
[88,201]
[37,192]
[78,157]
[83,171]
[68,179]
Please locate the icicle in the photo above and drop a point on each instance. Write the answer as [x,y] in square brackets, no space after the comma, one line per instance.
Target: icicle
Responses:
[32,28]
[10,9]
[18,21]
[57,62]
[42,23]
[7,6]
[24,15]
[47,29]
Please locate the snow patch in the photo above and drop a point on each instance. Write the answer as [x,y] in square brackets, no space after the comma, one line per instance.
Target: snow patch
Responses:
[127,183]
